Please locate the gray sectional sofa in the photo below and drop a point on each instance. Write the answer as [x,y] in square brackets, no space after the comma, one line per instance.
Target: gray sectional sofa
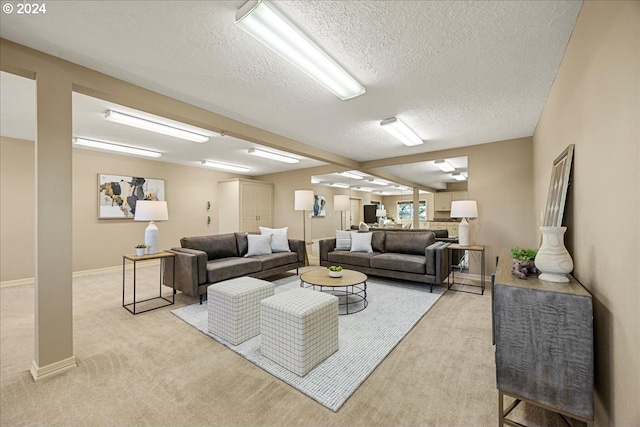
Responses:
[203,260]
[412,256]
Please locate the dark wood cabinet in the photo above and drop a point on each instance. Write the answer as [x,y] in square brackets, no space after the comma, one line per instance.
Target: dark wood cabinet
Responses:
[543,336]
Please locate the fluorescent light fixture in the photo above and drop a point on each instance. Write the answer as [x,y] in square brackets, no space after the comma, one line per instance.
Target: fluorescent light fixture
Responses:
[401,132]
[458,176]
[115,147]
[444,166]
[366,190]
[352,175]
[273,156]
[378,182]
[224,166]
[338,184]
[315,180]
[154,126]
[262,21]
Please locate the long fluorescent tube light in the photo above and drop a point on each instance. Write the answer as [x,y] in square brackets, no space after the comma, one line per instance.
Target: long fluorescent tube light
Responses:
[444,165]
[401,132]
[115,147]
[459,177]
[338,184]
[351,175]
[224,166]
[378,182]
[272,156]
[262,21]
[367,190]
[146,124]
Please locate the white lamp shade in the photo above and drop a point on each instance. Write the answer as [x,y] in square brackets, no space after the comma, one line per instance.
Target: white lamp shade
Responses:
[341,202]
[151,210]
[381,212]
[464,209]
[303,200]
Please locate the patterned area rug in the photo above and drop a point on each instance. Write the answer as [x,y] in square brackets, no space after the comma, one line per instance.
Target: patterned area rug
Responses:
[365,338]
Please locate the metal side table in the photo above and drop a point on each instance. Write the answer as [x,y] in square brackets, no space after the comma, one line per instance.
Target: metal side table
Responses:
[162,256]
[451,279]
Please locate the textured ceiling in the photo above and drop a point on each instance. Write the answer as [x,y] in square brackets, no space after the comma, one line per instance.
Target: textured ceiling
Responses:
[458,73]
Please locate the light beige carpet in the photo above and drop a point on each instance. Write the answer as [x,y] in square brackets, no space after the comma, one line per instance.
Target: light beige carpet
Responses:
[154,369]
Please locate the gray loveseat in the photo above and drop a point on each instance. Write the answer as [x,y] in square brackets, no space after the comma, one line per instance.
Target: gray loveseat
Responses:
[412,256]
[203,260]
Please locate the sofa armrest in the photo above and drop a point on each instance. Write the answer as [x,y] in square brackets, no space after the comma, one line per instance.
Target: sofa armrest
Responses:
[326,246]
[191,270]
[437,256]
[299,247]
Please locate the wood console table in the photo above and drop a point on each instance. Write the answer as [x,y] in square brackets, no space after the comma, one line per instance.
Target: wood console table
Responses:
[543,336]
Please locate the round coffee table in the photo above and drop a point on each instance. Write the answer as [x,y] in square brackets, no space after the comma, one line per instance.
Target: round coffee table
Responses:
[351,288]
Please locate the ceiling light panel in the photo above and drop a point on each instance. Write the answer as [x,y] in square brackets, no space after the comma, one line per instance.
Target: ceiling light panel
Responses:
[401,132]
[273,156]
[339,185]
[352,175]
[262,21]
[378,182]
[224,166]
[154,126]
[84,142]
[444,165]
[458,176]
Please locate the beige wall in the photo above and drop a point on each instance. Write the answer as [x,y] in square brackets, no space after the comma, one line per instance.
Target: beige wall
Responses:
[17,215]
[100,243]
[594,104]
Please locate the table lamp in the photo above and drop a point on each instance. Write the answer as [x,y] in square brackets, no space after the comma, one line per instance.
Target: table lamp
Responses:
[381,214]
[464,209]
[151,210]
[303,201]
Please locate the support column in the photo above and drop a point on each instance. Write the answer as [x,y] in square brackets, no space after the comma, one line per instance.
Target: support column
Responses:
[416,208]
[53,227]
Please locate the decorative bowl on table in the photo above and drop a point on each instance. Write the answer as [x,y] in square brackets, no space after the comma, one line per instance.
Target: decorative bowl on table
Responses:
[335,271]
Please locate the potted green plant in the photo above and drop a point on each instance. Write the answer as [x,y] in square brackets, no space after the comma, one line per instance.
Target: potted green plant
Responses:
[335,271]
[141,249]
[523,262]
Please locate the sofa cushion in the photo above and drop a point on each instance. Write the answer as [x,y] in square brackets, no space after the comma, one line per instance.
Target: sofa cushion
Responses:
[242,243]
[259,244]
[361,242]
[350,258]
[228,268]
[413,243]
[277,259]
[400,262]
[343,240]
[216,246]
[377,241]
[279,240]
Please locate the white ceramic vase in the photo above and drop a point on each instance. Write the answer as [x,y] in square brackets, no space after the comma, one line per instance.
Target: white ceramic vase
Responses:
[553,259]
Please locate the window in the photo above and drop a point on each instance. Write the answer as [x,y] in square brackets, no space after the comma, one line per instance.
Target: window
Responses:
[405,210]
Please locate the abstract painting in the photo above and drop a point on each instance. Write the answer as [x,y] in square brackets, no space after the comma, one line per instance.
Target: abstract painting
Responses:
[117,194]
[319,206]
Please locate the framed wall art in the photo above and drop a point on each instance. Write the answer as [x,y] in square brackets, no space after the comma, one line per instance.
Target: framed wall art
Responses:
[557,197]
[319,206]
[117,194]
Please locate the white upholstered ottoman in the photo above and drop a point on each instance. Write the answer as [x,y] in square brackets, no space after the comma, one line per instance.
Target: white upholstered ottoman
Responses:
[299,328]
[234,308]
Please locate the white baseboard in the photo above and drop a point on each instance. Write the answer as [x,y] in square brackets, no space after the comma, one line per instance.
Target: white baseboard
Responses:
[18,282]
[42,372]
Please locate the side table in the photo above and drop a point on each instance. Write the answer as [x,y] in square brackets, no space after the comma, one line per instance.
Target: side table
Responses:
[162,256]
[451,279]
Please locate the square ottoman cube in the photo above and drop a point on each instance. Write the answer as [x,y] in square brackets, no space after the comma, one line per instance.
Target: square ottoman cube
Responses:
[299,328]
[234,308]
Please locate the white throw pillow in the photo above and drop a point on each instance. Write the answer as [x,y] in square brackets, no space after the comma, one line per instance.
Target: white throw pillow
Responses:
[363,227]
[361,242]
[343,240]
[259,244]
[279,241]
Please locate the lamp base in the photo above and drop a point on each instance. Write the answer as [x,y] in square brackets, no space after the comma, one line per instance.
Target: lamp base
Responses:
[464,235]
[151,238]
